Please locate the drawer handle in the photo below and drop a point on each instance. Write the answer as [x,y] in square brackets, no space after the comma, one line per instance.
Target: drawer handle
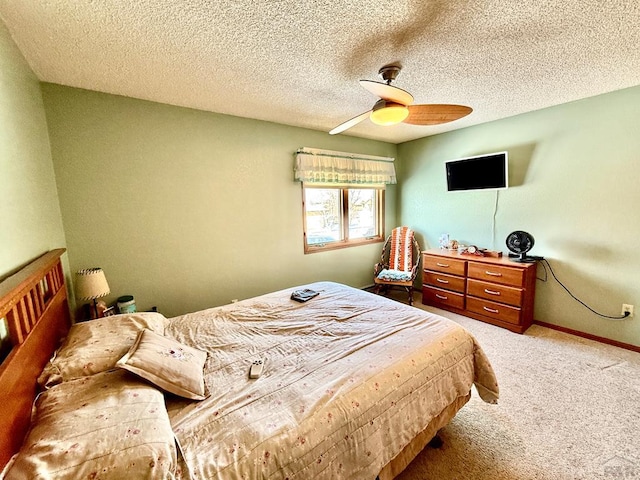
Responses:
[441,297]
[442,265]
[439,280]
[493,274]
[491,310]
[491,292]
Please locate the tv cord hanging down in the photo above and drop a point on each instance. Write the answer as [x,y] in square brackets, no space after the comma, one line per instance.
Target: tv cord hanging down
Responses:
[546,264]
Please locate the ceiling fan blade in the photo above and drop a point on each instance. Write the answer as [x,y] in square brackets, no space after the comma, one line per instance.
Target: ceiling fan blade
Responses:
[388,92]
[436,114]
[349,123]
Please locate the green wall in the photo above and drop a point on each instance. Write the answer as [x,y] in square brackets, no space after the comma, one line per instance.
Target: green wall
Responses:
[574,172]
[29,209]
[186,209]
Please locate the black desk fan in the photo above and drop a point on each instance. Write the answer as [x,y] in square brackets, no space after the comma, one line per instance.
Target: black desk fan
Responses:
[520,243]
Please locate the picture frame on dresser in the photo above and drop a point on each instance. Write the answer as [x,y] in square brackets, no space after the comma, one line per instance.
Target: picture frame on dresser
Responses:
[495,290]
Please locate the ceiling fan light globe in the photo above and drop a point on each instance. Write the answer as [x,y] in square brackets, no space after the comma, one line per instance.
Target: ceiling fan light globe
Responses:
[389,114]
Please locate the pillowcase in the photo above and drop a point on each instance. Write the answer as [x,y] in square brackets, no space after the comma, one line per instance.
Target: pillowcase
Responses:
[167,363]
[96,345]
[110,425]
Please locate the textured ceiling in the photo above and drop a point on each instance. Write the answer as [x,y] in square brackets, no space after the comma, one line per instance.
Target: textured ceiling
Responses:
[298,62]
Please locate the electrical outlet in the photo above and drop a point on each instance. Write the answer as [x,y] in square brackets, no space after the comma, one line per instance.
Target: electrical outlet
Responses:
[627,308]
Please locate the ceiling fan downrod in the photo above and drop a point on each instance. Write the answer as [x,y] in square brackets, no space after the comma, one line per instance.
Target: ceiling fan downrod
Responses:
[389,73]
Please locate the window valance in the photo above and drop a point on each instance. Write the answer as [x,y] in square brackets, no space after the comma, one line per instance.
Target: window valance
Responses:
[326,166]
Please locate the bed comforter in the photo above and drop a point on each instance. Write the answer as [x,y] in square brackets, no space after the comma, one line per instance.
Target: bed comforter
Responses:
[350,378]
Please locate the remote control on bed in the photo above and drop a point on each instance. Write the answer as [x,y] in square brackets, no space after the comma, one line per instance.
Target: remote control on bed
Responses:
[256,369]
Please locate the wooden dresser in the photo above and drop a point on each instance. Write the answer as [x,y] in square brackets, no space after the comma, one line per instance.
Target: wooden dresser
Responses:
[494,290]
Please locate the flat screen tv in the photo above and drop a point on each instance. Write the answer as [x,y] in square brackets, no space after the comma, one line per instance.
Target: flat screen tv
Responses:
[482,172]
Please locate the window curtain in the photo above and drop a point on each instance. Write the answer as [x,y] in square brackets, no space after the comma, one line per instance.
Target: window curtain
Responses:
[325,166]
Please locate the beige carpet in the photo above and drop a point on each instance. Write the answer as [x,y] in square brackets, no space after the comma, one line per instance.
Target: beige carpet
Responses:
[569,409]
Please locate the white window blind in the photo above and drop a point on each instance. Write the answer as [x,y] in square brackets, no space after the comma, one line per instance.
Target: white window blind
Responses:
[325,166]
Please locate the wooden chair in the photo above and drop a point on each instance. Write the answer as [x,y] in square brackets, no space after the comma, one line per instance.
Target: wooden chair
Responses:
[399,261]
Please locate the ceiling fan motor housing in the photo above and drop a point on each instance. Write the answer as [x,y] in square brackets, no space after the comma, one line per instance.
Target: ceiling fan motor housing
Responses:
[389,73]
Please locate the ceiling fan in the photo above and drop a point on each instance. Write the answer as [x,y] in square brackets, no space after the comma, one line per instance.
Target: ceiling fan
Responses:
[396,105]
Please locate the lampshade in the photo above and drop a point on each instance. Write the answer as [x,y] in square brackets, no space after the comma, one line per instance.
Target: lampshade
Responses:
[91,284]
[388,113]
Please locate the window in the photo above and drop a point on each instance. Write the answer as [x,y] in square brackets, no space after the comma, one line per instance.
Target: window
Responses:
[341,216]
[342,197]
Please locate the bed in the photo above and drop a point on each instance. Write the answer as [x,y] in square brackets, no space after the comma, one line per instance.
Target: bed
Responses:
[354,386]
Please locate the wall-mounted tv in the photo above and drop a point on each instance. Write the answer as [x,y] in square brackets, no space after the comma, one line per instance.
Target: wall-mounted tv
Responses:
[482,172]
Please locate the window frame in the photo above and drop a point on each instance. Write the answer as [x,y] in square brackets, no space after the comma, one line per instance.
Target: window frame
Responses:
[345,242]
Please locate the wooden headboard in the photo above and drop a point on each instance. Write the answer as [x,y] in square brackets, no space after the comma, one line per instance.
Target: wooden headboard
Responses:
[34,304]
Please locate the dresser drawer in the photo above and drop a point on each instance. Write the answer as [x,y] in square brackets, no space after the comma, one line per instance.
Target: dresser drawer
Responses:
[451,266]
[494,310]
[496,274]
[437,296]
[442,280]
[495,292]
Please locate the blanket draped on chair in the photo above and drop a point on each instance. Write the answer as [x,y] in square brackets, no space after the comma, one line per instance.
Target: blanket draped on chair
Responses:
[401,252]
[398,267]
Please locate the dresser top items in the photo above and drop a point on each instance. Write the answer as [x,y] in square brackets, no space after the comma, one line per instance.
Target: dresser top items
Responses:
[469,257]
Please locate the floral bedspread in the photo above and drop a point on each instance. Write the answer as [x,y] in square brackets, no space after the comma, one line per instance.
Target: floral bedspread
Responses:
[350,378]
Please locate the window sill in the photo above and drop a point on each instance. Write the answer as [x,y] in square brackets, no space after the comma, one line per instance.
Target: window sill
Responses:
[341,244]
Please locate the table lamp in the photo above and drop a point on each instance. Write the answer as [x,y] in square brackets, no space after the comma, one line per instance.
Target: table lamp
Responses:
[91,284]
